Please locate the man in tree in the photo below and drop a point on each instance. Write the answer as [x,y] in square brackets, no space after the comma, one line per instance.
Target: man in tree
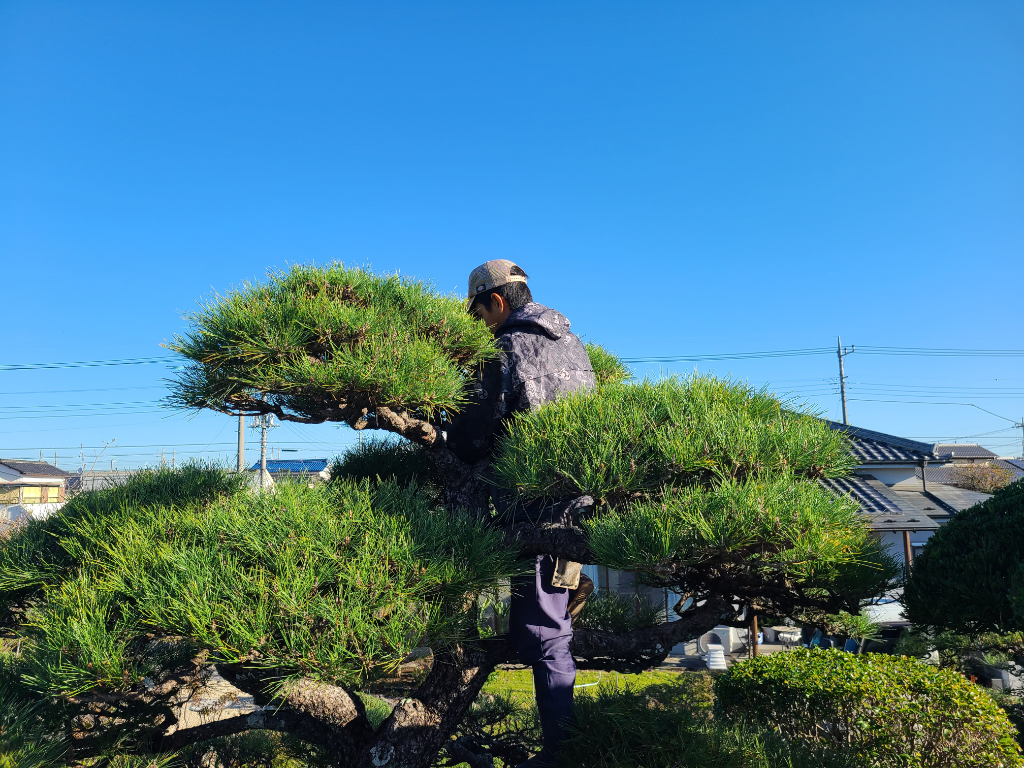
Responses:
[540,359]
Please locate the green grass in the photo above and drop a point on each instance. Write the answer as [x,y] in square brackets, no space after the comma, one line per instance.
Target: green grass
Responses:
[519,682]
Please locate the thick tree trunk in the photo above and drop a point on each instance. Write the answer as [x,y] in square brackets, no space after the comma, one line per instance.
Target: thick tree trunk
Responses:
[419,727]
[464,486]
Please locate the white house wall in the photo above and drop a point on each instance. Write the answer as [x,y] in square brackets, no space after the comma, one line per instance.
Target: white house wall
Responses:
[14,512]
[891,475]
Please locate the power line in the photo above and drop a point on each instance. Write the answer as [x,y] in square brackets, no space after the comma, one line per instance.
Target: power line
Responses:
[931,402]
[928,352]
[869,350]
[88,363]
[67,391]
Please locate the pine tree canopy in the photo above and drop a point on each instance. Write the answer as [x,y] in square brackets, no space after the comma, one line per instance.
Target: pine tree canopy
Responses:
[125,601]
[333,343]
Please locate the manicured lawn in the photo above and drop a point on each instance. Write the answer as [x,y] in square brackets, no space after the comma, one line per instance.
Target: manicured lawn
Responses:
[519,682]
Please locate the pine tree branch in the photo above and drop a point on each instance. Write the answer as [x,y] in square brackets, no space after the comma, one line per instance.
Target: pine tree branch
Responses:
[632,652]
[323,714]
[280,720]
[564,541]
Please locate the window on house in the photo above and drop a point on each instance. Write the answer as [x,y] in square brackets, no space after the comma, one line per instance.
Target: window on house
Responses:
[9,495]
[52,494]
[31,494]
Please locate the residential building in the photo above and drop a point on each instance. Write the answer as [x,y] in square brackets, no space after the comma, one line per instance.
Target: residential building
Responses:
[29,489]
[967,454]
[97,480]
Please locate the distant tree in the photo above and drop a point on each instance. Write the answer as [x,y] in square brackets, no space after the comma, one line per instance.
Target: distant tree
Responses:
[130,597]
[984,478]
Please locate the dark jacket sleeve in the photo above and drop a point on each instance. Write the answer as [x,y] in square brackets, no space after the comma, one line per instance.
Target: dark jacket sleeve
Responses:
[471,432]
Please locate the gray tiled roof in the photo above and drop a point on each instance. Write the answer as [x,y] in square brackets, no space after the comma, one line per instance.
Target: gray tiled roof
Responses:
[872,447]
[925,503]
[947,473]
[882,505]
[959,498]
[36,468]
[964,450]
[1018,463]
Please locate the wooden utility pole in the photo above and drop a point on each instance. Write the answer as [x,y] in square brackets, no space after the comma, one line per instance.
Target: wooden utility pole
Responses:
[842,373]
[753,637]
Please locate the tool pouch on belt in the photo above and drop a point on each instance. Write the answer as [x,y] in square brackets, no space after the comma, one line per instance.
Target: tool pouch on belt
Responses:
[567,574]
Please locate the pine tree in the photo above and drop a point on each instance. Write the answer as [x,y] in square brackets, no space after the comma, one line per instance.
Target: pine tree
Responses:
[126,601]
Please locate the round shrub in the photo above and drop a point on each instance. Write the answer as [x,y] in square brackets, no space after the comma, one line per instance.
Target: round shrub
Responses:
[889,710]
[966,578]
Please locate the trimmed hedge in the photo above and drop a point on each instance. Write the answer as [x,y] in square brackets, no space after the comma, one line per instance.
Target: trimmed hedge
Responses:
[670,726]
[969,577]
[888,710]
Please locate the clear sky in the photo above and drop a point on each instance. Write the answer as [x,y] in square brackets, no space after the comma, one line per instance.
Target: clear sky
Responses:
[679,178]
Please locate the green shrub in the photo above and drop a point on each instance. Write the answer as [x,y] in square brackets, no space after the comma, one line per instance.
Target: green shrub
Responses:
[667,726]
[969,577]
[889,710]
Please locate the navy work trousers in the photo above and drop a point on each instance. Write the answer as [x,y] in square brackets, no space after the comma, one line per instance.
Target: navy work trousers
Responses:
[540,630]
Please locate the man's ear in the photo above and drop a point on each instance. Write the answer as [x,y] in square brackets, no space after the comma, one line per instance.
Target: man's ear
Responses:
[498,303]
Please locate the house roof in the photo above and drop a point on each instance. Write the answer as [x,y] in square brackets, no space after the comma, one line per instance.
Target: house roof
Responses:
[886,510]
[872,447]
[294,466]
[1018,463]
[947,474]
[958,498]
[964,450]
[34,468]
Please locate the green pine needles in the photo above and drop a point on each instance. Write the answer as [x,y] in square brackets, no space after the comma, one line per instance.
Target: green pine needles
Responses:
[705,486]
[335,583]
[329,343]
[626,439]
[125,600]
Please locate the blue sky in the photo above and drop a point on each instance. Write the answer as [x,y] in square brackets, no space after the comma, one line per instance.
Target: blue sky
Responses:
[678,178]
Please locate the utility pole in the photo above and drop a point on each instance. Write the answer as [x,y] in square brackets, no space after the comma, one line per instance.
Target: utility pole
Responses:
[263,423]
[241,442]
[842,373]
